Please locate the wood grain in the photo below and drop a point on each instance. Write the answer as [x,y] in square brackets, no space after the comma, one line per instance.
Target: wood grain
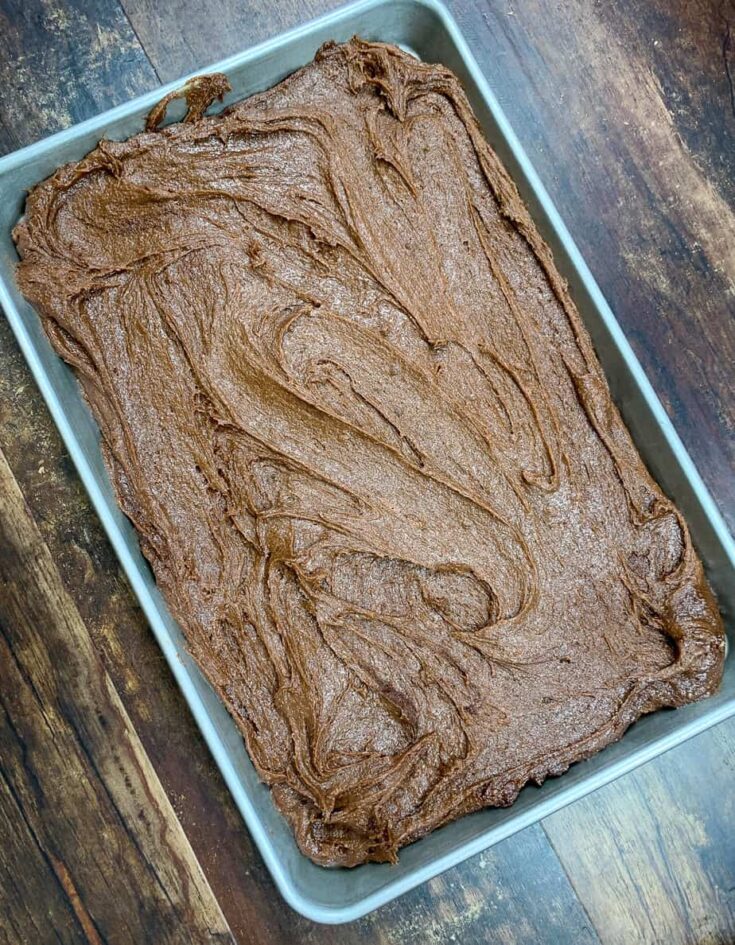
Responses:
[62,61]
[182,37]
[626,110]
[512,894]
[649,857]
[110,863]
[124,642]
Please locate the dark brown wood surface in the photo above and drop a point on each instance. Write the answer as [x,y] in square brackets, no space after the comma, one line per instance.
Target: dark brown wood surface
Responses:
[627,109]
[91,844]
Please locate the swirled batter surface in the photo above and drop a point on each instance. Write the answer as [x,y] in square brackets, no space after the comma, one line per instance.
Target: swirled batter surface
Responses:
[368,448]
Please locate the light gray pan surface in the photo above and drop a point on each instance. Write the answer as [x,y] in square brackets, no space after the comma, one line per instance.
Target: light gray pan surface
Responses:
[334,896]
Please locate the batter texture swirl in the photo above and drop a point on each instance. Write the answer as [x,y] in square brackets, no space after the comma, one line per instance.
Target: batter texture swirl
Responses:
[371,456]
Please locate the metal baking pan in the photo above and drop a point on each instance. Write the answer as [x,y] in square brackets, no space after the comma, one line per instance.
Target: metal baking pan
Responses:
[341,895]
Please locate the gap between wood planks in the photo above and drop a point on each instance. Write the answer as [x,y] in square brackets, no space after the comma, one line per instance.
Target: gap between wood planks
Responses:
[75,782]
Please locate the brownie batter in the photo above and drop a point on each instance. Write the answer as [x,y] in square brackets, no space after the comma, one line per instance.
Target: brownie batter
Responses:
[369,451]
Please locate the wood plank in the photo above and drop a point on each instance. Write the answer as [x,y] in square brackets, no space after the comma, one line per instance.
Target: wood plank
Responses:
[511,894]
[180,38]
[26,880]
[7,141]
[652,856]
[123,640]
[62,61]
[75,782]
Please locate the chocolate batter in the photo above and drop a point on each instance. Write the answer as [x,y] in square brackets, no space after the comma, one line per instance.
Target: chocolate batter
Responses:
[352,411]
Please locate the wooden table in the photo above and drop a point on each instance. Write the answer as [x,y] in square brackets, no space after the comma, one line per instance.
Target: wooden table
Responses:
[114,824]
